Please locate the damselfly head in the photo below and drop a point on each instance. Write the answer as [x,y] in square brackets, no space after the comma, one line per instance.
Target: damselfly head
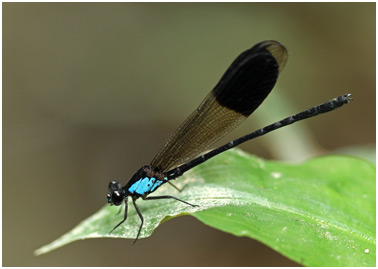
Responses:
[116,194]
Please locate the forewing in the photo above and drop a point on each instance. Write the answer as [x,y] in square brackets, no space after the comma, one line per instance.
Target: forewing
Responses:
[242,88]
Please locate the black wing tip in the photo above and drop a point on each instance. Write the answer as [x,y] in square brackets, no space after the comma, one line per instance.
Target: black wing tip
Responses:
[277,50]
[251,77]
[267,43]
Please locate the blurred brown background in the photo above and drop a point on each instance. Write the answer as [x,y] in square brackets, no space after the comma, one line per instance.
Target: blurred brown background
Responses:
[91,91]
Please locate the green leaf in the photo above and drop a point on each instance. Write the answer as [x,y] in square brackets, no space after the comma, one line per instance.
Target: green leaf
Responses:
[318,213]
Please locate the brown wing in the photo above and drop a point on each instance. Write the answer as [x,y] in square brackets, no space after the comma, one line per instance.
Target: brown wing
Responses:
[243,87]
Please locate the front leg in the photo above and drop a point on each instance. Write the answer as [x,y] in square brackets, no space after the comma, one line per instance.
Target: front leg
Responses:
[124,218]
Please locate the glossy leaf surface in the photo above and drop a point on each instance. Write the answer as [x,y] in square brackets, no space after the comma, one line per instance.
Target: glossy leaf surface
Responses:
[318,213]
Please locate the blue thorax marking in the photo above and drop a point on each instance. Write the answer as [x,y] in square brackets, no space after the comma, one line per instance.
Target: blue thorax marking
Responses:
[145,185]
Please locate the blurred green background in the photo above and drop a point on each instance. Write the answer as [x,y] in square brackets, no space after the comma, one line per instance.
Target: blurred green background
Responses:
[91,91]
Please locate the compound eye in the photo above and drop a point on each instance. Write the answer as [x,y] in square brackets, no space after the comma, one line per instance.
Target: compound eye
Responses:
[114,186]
[116,198]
